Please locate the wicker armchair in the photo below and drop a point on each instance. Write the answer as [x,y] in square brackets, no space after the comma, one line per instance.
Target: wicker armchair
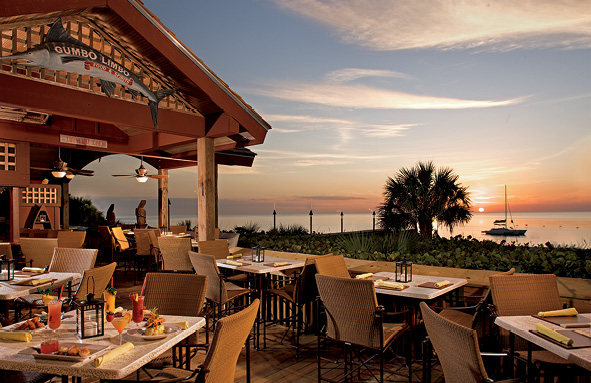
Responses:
[217,247]
[230,336]
[296,292]
[71,239]
[355,320]
[333,266]
[38,251]
[175,253]
[457,349]
[147,255]
[528,294]
[94,281]
[6,249]
[169,292]
[179,229]
[123,249]
[220,295]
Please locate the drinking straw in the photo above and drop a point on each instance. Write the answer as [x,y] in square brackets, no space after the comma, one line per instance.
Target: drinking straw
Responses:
[144,285]
[111,281]
[61,291]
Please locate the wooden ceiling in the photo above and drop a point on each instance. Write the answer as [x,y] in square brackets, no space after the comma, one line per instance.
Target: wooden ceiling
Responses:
[52,104]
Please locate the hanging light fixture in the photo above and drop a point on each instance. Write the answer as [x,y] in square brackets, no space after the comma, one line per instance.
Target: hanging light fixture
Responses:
[70,176]
[59,166]
[58,173]
[141,179]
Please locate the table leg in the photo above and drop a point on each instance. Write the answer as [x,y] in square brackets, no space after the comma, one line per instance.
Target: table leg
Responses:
[529,363]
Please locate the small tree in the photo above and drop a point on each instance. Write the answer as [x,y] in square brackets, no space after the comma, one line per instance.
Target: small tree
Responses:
[416,196]
[84,213]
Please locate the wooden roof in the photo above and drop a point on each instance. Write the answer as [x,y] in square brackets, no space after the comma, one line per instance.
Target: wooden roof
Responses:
[42,105]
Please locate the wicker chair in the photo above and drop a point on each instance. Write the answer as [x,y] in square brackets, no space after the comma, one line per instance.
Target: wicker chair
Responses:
[175,253]
[38,251]
[297,292]
[217,247]
[169,293]
[107,244]
[123,249]
[179,229]
[94,281]
[6,249]
[528,294]
[456,347]
[71,239]
[333,266]
[220,295]
[230,336]
[355,320]
[147,253]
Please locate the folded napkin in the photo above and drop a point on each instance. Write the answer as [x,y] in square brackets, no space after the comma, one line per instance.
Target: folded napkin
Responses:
[391,285]
[275,264]
[363,276]
[235,256]
[33,269]
[231,262]
[441,284]
[20,336]
[184,324]
[115,353]
[553,334]
[40,281]
[559,313]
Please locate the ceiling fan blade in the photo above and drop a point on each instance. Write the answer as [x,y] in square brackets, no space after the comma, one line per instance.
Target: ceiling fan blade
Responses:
[158,176]
[45,169]
[123,175]
[81,172]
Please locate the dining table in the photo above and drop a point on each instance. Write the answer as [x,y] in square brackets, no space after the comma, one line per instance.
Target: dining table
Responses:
[524,327]
[261,270]
[18,287]
[18,355]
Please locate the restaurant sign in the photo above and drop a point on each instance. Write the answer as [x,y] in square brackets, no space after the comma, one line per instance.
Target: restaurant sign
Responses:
[62,52]
[65,139]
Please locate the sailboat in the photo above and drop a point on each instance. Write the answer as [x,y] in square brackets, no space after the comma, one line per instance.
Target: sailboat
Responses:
[501,227]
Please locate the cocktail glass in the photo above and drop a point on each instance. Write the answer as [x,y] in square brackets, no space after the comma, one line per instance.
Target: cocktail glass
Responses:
[138,309]
[119,323]
[54,314]
[109,302]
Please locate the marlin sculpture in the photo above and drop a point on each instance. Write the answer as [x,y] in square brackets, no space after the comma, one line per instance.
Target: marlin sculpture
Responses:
[62,52]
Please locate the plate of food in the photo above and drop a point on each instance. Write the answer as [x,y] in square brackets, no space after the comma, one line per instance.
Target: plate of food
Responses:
[150,333]
[71,352]
[28,325]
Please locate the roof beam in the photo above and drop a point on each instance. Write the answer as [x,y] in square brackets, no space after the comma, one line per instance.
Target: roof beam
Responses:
[21,92]
[224,126]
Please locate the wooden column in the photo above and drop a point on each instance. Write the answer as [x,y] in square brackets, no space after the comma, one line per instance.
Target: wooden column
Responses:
[216,194]
[206,188]
[65,210]
[15,224]
[163,213]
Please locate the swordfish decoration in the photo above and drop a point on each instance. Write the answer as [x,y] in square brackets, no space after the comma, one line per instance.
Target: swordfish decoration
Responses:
[62,52]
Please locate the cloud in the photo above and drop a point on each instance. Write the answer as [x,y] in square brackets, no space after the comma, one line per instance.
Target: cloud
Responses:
[441,24]
[350,74]
[366,97]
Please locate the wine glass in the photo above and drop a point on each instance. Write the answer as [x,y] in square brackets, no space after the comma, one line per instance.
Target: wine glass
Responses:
[119,323]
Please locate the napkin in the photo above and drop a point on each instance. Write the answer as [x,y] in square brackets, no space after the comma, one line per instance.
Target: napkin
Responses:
[441,284]
[275,264]
[363,276]
[109,356]
[33,269]
[392,285]
[559,313]
[40,281]
[553,334]
[20,336]
[235,256]
[231,262]
[184,324]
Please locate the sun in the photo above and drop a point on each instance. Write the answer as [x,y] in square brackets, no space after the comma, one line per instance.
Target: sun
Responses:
[481,209]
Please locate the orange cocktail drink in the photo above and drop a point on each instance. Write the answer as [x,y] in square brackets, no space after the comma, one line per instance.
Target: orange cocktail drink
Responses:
[119,323]
[109,302]
[54,314]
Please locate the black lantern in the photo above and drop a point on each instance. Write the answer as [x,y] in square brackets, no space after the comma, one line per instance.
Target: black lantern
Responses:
[404,271]
[90,315]
[258,254]
[6,268]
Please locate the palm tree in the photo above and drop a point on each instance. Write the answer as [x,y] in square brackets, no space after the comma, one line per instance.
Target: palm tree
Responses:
[416,196]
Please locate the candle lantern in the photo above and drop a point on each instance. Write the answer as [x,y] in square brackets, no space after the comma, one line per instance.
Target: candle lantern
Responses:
[404,271]
[90,315]
[258,254]
[6,268]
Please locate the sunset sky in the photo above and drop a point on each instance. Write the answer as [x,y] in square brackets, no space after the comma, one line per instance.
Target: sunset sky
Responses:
[354,90]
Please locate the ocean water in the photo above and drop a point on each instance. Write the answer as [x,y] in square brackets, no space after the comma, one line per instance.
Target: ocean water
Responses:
[559,228]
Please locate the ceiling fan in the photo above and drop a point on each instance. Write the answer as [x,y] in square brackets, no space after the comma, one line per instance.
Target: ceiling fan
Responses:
[60,169]
[141,173]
